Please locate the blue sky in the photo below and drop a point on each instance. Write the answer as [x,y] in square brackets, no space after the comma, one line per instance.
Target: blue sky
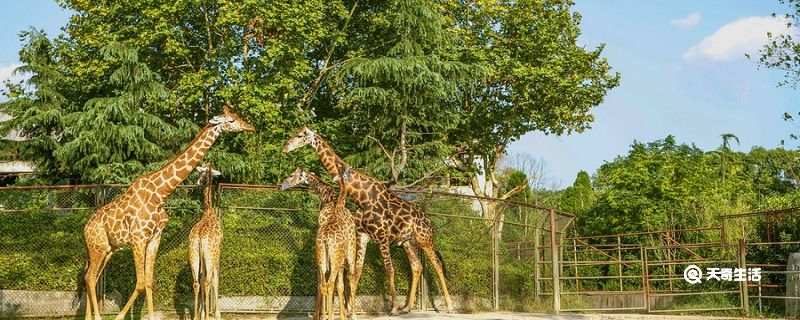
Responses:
[18,16]
[667,87]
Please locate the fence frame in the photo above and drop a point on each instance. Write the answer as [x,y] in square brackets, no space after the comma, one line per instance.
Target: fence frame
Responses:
[541,227]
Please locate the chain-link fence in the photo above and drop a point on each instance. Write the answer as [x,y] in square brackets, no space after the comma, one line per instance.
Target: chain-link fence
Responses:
[491,250]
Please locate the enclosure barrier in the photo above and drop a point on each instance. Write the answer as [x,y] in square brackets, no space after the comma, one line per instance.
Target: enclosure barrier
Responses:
[513,256]
[267,257]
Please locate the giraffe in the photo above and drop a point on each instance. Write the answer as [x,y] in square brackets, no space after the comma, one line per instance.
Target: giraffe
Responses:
[137,217]
[335,243]
[383,217]
[204,245]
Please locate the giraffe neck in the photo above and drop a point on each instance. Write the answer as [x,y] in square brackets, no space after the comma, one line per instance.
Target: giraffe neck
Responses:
[358,180]
[330,160]
[174,172]
[207,194]
[324,191]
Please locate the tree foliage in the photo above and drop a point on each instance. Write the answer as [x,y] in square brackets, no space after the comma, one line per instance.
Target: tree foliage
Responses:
[397,86]
[398,90]
[579,197]
[663,185]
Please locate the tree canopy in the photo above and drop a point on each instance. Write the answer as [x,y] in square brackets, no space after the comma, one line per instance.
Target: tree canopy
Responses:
[666,185]
[398,87]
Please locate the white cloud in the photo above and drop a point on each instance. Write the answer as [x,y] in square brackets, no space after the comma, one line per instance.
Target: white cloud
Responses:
[6,72]
[689,21]
[733,40]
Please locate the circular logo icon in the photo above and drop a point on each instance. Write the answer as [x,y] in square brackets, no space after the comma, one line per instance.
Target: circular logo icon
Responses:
[692,274]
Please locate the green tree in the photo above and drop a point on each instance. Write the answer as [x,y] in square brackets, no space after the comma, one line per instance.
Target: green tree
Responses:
[665,185]
[658,185]
[398,90]
[782,52]
[38,105]
[579,197]
[111,139]
[260,56]
[542,80]
[412,80]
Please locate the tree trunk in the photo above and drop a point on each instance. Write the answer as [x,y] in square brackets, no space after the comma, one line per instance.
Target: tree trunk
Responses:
[403,137]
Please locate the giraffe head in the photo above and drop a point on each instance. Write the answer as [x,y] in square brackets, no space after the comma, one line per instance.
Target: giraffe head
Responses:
[205,176]
[299,176]
[230,121]
[301,137]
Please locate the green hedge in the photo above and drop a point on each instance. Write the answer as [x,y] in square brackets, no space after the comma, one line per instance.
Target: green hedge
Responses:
[266,252]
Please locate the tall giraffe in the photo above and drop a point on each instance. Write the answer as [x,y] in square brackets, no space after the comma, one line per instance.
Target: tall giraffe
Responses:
[335,243]
[204,245]
[137,217]
[383,217]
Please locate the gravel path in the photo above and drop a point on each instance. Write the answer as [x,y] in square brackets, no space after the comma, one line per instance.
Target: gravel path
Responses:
[502,316]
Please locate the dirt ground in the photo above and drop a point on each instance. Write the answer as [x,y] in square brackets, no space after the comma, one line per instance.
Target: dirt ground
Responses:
[512,316]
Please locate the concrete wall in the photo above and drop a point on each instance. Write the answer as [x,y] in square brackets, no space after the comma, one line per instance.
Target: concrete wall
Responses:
[56,303]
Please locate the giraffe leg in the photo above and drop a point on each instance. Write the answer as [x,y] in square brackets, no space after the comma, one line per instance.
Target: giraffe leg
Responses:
[194,263]
[215,284]
[416,271]
[93,271]
[209,274]
[387,263]
[351,278]
[150,261]
[318,308]
[318,303]
[362,239]
[330,285]
[139,261]
[430,252]
[322,267]
[340,294]
[99,251]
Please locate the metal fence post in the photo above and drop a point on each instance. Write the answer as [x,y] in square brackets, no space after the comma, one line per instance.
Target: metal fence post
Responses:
[537,271]
[554,261]
[646,279]
[619,262]
[101,286]
[745,300]
[422,288]
[496,264]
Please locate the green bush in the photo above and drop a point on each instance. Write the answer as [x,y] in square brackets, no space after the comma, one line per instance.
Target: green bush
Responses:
[267,250]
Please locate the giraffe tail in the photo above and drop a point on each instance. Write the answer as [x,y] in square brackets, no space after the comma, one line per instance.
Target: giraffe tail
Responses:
[80,291]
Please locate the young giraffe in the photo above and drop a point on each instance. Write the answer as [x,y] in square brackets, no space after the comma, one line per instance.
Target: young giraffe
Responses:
[382,216]
[335,244]
[137,217]
[204,245]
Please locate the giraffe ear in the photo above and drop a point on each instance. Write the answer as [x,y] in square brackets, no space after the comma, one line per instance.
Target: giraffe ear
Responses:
[226,109]
[202,169]
[215,173]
